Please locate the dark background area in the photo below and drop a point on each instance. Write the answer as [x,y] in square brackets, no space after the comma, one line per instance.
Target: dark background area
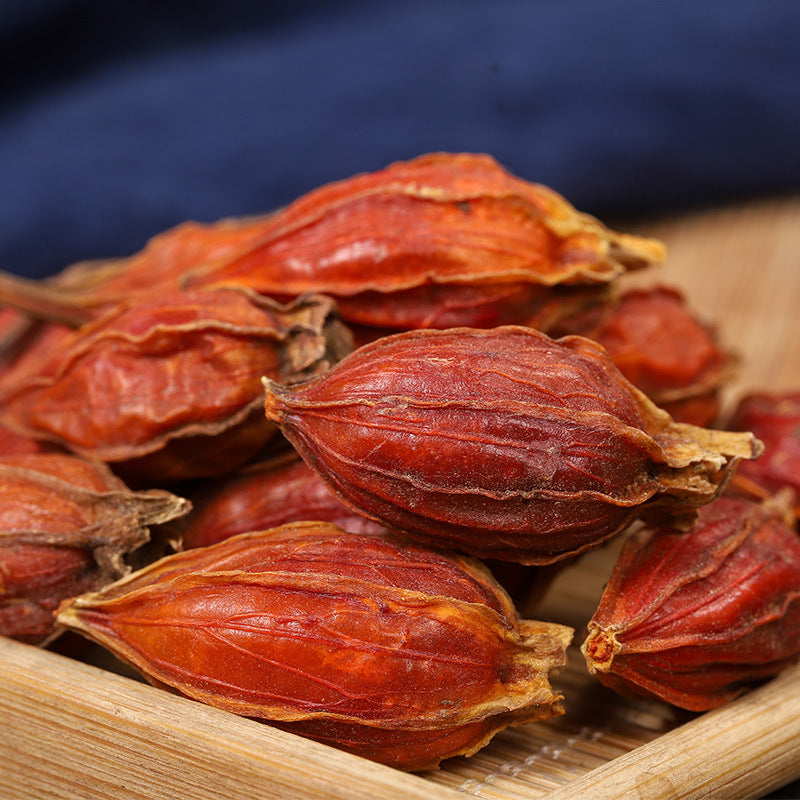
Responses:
[119,119]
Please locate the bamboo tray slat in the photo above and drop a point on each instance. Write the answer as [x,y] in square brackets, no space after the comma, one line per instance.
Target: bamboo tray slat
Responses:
[87,728]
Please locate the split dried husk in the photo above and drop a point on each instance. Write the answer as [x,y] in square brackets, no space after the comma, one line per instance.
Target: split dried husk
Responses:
[442,240]
[696,618]
[501,443]
[398,653]
[168,388]
[66,527]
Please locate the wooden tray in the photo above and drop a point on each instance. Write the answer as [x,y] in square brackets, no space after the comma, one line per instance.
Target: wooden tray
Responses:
[89,729]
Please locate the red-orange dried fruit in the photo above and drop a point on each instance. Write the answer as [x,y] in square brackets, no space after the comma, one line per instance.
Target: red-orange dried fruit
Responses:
[398,653]
[65,527]
[34,349]
[87,289]
[264,495]
[12,443]
[502,443]
[168,388]
[441,240]
[284,489]
[661,346]
[696,618]
[775,418]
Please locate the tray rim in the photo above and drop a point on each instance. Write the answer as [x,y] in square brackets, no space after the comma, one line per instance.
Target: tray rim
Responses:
[744,749]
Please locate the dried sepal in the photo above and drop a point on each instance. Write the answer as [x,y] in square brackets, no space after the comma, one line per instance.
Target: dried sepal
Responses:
[66,527]
[502,443]
[696,618]
[168,388]
[418,653]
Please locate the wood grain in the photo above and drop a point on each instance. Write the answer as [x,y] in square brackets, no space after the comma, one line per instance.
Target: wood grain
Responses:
[71,731]
[743,750]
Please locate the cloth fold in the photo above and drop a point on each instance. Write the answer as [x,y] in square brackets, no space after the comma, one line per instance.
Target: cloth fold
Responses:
[121,119]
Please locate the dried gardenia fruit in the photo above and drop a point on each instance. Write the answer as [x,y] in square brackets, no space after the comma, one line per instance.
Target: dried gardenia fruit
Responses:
[697,618]
[398,653]
[87,289]
[775,419]
[501,443]
[264,495]
[663,348]
[65,526]
[168,388]
[284,489]
[441,240]
[28,351]
[12,443]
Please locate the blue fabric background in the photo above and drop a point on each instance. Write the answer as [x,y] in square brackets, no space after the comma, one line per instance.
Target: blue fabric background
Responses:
[121,118]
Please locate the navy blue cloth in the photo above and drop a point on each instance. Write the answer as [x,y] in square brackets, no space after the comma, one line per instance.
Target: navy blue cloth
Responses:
[119,119]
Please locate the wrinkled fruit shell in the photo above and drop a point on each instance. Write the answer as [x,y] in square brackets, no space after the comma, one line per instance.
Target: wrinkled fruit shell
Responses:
[262,495]
[696,618]
[168,388]
[663,348]
[398,653]
[66,527]
[501,443]
[775,418]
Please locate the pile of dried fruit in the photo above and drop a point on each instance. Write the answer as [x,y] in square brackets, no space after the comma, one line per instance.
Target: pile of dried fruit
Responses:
[354,426]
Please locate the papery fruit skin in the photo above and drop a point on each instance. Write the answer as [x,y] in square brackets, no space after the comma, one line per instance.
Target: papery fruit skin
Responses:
[775,418]
[696,618]
[34,580]
[264,495]
[282,489]
[66,526]
[168,388]
[661,346]
[502,443]
[440,240]
[312,625]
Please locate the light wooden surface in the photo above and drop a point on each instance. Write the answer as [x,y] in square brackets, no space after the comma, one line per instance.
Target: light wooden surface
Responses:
[73,732]
[743,750]
[70,730]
